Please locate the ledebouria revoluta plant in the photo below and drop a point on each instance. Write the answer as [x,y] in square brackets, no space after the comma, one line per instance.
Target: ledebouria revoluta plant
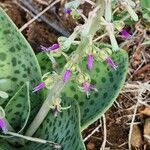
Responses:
[59,92]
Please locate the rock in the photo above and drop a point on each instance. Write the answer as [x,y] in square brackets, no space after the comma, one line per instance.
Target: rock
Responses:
[145,111]
[90,146]
[136,137]
[147,130]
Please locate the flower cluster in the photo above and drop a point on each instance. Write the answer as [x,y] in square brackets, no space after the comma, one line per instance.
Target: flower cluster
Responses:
[100,55]
[93,53]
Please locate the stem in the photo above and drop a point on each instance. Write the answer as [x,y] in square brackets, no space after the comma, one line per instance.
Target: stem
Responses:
[52,59]
[71,38]
[54,92]
[76,58]
[108,10]
[34,139]
[113,40]
[110,30]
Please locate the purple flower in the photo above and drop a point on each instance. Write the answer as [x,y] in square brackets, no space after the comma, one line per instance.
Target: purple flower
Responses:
[90,62]
[67,11]
[67,75]
[56,111]
[111,63]
[52,48]
[125,34]
[3,126]
[39,87]
[88,87]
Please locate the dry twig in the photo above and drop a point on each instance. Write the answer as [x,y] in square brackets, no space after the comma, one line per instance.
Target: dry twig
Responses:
[52,24]
[105,134]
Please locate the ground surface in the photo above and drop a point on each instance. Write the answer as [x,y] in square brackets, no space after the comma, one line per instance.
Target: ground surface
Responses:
[118,117]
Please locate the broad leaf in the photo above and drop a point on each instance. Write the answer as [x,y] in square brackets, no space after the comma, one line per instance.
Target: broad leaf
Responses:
[18,63]
[4,145]
[17,113]
[18,108]
[63,129]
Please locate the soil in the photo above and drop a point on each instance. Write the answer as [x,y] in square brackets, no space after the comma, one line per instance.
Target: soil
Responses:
[119,116]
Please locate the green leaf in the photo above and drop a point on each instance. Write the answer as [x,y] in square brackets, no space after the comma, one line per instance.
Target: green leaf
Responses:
[18,108]
[43,58]
[46,65]
[123,16]
[145,5]
[17,112]
[18,63]
[4,145]
[63,129]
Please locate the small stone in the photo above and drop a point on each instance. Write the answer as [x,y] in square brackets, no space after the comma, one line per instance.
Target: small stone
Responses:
[136,137]
[90,146]
[147,130]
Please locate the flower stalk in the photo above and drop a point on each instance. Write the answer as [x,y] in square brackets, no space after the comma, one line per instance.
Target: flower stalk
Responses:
[110,30]
[34,139]
[76,58]
[108,11]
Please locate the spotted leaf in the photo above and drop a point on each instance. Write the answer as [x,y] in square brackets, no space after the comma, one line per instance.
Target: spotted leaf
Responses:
[18,63]
[108,82]
[17,112]
[63,129]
